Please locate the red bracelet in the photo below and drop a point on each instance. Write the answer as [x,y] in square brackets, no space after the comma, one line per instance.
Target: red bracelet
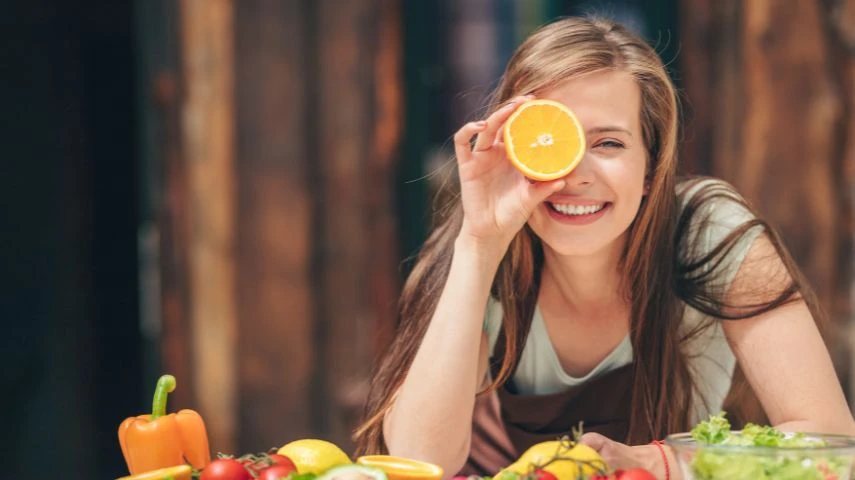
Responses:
[659,444]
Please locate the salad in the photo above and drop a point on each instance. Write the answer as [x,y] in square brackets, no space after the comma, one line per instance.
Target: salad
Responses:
[763,452]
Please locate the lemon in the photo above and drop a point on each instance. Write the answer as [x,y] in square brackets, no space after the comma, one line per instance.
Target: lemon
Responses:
[517,467]
[566,467]
[180,472]
[314,456]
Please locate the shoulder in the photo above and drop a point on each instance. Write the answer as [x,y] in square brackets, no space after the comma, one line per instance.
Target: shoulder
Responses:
[708,198]
[715,228]
[710,209]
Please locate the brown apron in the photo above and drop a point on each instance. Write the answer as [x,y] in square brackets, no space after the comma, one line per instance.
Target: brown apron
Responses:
[506,423]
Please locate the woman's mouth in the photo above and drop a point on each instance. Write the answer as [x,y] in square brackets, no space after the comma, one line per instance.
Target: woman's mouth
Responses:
[577,214]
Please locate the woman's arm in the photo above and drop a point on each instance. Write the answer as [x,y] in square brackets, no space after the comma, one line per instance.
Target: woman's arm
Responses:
[783,357]
[782,353]
[431,419]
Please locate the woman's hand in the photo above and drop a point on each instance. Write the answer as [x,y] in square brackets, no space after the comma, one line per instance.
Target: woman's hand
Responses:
[497,199]
[623,457]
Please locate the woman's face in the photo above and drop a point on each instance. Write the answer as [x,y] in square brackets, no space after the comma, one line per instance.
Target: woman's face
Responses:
[603,193]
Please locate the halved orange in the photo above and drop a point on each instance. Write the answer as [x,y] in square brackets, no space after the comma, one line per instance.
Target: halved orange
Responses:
[544,139]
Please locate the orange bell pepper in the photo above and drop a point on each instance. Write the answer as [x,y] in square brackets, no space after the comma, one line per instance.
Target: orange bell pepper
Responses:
[150,442]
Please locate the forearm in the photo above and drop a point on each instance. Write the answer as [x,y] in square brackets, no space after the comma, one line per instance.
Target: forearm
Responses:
[432,415]
[845,426]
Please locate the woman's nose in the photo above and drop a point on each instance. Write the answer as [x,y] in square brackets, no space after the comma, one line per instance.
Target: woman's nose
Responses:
[583,174]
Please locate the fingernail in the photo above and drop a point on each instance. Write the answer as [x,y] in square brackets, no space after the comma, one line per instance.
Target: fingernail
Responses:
[481,124]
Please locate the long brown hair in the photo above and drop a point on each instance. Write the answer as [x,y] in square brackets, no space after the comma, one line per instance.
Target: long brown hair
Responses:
[662,389]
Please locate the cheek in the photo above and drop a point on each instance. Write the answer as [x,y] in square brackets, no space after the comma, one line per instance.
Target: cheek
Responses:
[625,177]
[629,189]
[539,220]
[627,210]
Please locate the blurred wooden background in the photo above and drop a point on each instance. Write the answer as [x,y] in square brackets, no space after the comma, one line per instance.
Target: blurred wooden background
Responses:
[278,234]
[232,188]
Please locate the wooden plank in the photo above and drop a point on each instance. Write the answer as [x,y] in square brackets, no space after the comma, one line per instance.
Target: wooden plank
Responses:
[207,127]
[169,189]
[275,224]
[726,90]
[359,126]
[697,73]
[345,79]
[383,161]
[841,22]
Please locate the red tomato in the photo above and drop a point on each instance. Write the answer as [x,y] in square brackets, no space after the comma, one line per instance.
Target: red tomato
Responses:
[225,469]
[613,476]
[636,474]
[544,475]
[278,459]
[275,472]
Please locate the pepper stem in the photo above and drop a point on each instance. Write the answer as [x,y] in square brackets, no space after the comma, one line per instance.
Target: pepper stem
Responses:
[165,384]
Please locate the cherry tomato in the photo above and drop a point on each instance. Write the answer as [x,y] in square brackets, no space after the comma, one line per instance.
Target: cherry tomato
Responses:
[279,459]
[613,476]
[225,469]
[540,474]
[275,472]
[636,474]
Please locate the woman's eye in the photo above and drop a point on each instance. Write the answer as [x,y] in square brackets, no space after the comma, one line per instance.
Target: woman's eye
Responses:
[610,144]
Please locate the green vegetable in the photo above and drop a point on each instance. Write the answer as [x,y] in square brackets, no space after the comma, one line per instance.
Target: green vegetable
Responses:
[302,476]
[508,475]
[713,431]
[711,464]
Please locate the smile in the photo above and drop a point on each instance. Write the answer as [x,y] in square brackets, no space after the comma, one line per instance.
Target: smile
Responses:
[577,210]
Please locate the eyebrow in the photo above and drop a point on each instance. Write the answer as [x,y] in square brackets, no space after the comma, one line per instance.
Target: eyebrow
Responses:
[608,129]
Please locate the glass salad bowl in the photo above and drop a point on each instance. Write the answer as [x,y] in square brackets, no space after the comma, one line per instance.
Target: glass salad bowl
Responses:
[757,455]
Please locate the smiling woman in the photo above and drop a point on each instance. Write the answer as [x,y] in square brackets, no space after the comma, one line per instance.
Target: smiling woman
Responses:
[616,295]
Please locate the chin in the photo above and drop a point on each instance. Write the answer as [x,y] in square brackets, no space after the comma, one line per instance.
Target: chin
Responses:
[575,247]
[590,240]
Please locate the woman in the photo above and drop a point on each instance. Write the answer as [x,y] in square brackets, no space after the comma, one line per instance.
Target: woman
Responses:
[616,296]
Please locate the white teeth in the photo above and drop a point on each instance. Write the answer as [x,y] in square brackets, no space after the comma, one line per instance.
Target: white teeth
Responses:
[578,209]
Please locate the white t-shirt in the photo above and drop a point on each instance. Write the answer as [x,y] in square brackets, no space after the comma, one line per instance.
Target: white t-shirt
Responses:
[711,360]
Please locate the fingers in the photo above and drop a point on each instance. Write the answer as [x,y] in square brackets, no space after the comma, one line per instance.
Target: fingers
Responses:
[496,121]
[620,456]
[537,192]
[488,131]
[595,441]
[462,147]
